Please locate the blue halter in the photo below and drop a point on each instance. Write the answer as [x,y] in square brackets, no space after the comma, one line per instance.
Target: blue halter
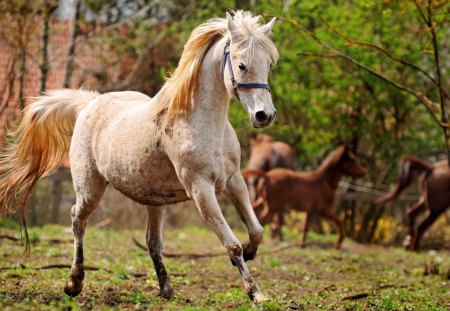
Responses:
[236,85]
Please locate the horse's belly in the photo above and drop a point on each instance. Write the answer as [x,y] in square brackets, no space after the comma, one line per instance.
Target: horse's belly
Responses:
[148,179]
[151,187]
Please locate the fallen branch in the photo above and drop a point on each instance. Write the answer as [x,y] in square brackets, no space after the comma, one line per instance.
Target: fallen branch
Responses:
[58,241]
[63,266]
[356,296]
[173,255]
[103,223]
[329,287]
[51,241]
[9,237]
[86,268]
[216,254]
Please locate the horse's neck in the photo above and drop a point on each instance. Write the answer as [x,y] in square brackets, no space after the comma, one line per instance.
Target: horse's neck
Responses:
[211,99]
[331,173]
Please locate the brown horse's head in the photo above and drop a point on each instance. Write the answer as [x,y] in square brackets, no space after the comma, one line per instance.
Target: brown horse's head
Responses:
[349,164]
[257,139]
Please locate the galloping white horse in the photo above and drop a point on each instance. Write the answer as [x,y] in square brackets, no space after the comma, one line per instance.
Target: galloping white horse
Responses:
[158,151]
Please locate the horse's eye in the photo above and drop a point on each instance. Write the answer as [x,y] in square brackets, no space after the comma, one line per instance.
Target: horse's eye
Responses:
[242,67]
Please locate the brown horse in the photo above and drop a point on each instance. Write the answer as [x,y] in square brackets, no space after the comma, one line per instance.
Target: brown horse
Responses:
[434,188]
[311,192]
[266,154]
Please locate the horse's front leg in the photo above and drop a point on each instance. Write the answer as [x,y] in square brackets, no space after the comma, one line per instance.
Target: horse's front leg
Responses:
[153,237]
[236,191]
[203,193]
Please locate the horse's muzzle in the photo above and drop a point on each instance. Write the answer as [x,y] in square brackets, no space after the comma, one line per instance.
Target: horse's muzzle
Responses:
[263,119]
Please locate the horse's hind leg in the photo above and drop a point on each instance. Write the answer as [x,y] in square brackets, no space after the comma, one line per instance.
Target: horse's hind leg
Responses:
[277,230]
[203,193]
[338,225]
[426,223]
[89,188]
[236,190]
[413,212]
[306,228]
[153,237]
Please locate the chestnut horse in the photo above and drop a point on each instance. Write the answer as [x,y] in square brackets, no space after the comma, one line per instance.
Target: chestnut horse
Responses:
[434,188]
[311,192]
[176,146]
[266,154]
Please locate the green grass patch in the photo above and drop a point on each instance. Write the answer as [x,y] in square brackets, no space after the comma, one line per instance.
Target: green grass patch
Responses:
[317,277]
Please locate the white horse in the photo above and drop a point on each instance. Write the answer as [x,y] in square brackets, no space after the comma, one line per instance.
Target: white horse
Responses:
[158,151]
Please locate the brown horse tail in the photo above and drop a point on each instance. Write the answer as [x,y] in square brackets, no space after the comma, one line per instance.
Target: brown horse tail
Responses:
[37,147]
[409,166]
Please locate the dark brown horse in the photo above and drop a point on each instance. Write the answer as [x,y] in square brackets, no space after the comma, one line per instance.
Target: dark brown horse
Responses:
[266,154]
[434,188]
[311,192]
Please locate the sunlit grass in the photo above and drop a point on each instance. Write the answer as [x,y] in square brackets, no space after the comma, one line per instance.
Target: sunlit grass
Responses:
[314,278]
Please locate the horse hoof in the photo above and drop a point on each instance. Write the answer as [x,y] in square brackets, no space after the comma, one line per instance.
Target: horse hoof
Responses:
[71,289]
[258,297]
[246,254]
[249,256]
[167,293]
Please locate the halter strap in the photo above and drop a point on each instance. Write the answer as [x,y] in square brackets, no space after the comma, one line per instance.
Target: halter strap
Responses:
[235,84]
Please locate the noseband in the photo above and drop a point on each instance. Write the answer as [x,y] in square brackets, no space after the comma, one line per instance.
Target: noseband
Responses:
[236,85]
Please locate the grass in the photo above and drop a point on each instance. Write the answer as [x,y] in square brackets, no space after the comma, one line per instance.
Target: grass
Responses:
[314,278]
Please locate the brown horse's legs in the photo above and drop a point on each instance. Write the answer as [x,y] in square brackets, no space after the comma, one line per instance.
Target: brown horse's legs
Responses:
[251,186]
[306,228]
[426,223]
[338,225]
[278,220]
[203,193]
[155,216]
[413,212]
[237,192]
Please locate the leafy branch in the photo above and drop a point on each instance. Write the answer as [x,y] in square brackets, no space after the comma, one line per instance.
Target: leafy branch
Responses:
[430,106]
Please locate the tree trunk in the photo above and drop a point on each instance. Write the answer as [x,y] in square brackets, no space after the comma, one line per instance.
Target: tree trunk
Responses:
[71,55]
[23,68]
[48,10]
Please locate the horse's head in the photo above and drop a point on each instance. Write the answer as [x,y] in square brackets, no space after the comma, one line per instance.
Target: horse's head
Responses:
[350,165]
[248,57]
[257,139]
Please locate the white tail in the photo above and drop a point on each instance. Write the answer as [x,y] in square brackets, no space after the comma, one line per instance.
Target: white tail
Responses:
[38,146]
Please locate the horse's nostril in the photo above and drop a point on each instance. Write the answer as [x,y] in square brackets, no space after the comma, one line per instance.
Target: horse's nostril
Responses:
[261,116]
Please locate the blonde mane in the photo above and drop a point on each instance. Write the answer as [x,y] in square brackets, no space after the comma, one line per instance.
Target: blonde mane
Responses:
[177,93]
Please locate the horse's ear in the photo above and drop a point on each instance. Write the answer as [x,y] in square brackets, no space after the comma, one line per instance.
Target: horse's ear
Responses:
[267,28]
[235,36]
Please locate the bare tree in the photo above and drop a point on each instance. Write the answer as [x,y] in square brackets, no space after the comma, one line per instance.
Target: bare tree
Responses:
[18,18]
[72,45]
[48,7]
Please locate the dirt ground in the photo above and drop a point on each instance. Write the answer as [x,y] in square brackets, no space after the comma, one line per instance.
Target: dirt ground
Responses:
[121,275]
